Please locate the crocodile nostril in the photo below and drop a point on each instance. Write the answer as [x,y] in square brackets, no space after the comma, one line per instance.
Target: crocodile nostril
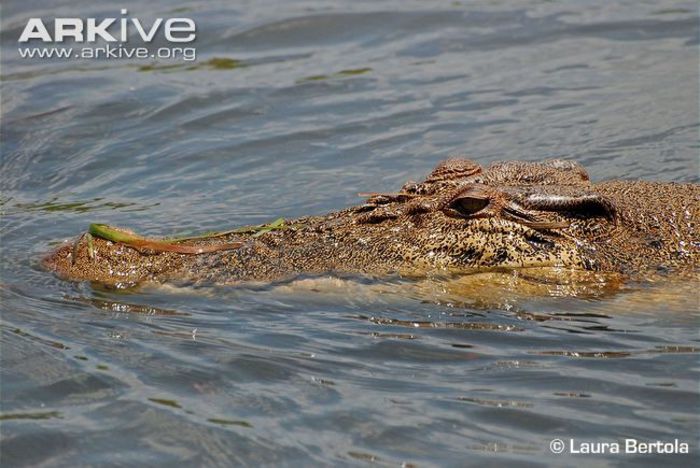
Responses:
[539,242]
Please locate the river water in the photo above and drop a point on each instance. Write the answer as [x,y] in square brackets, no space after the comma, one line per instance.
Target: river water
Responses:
[292,108]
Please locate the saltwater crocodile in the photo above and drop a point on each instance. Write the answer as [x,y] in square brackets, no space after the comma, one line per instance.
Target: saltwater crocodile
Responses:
[461,218]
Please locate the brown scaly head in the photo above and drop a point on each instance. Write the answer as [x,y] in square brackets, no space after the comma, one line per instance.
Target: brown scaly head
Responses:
[514,190]
[460,218]
[512,214]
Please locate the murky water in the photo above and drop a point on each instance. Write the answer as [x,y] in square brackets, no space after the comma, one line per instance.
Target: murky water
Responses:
[292,108]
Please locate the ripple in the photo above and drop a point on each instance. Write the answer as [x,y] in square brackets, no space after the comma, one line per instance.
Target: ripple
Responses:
[292,109]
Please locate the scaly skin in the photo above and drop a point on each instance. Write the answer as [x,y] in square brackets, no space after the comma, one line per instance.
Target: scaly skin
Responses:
[461,218]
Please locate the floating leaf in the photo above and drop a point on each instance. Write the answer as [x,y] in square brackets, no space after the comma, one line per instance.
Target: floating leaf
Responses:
[174,244]
[354,71]
[216,63]
[340,74]
[229,422]
[130,238]
[37,415]
[277,225]
[166,402]
[90,246]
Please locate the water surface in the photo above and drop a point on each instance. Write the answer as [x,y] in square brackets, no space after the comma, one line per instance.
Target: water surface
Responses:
[293,108]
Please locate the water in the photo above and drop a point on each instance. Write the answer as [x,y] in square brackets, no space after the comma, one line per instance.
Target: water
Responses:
[292,108]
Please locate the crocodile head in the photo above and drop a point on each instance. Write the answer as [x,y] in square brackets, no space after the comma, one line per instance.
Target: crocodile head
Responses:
[511,215]
[461,217]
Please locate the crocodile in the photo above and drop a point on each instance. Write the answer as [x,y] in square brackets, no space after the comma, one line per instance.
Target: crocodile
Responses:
[462,218]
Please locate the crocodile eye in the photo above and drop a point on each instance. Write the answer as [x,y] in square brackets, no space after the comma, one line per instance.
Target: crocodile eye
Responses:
[467,205]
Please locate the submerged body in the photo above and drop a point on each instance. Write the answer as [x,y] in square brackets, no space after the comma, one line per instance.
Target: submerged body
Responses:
[461,218]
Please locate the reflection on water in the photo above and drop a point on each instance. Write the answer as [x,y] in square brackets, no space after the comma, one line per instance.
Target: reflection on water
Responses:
[293,108]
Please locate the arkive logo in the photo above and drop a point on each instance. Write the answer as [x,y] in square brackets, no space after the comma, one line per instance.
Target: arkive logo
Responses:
[122,29]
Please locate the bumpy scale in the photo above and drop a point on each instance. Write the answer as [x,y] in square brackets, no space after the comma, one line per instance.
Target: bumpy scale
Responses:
[462,217]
